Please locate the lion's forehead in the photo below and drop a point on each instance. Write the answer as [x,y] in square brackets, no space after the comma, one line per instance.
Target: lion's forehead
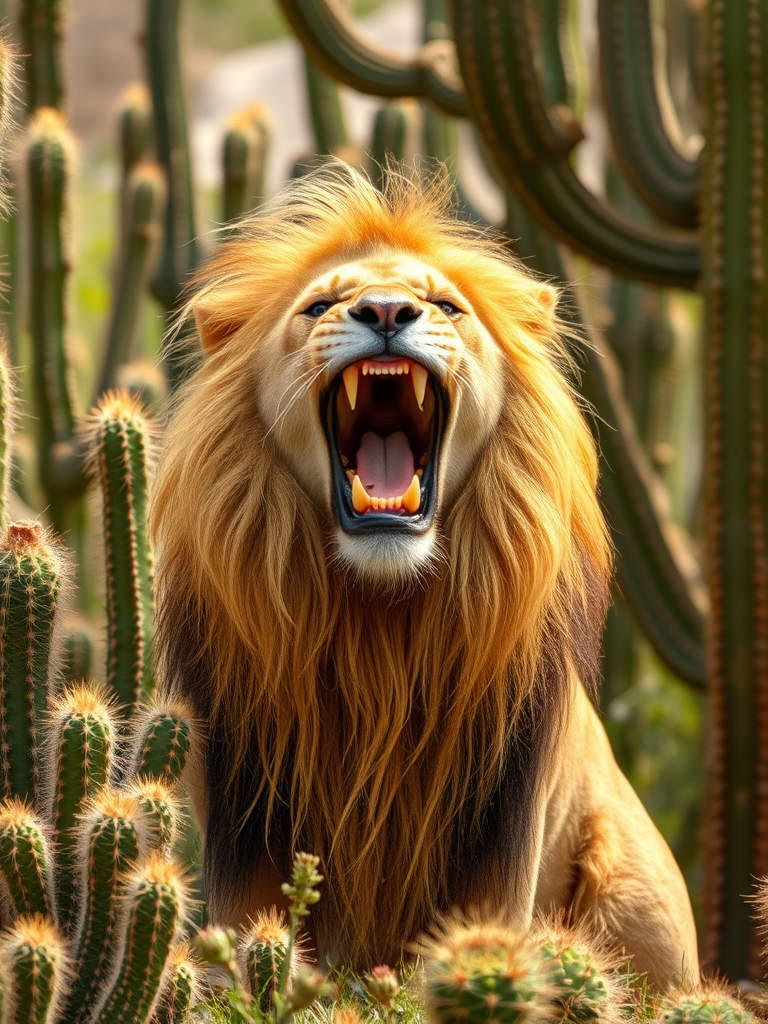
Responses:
[385,271]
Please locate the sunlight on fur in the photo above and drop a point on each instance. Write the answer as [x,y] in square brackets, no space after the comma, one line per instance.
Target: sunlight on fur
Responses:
[363,705]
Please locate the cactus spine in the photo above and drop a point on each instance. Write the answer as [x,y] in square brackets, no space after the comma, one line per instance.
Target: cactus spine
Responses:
[84,734]
[120,451]
[34,963]
[30,580]
[154,906]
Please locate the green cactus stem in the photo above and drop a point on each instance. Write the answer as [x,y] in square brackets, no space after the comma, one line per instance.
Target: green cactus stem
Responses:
[182,988]
[325,111]
[49,157]
[736,384]
[245,156]
[7,414]
[76,648]
[154,907]
[335,43]
[42,23]
[263,955]
[180,246]
[143,199]
[31,572]
[83,732]
[484,973]
[111,841]
[161,812]
[393,128]
[135,138]
[120,451]
[164,737]
[34,961]
[715,1006]
[25,859]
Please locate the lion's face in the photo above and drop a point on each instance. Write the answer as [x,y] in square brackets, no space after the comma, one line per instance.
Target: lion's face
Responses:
[387,386]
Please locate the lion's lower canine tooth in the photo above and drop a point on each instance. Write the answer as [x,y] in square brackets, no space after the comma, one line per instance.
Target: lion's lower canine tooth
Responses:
[419,377]
[360,499]
[412,497]
[349,376]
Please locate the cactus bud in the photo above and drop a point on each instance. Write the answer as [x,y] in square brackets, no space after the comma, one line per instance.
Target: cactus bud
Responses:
[217,946]
[306,987]
[382,985]
[301,889]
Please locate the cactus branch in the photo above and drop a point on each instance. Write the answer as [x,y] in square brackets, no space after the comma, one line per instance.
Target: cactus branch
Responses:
[333,40]
[41,23]
[664,178]
[25,859]
[244,159]
[531,141]
[35,966]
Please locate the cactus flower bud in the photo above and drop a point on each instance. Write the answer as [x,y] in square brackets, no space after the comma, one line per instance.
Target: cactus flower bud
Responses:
[382,985]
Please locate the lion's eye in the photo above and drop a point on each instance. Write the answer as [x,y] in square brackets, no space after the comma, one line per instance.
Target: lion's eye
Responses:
[317,309]
[448,307]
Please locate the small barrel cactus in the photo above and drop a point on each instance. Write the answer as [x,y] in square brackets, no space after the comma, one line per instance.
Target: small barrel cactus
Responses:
[705,1006]
[484,973]
[263,956]
[583,977]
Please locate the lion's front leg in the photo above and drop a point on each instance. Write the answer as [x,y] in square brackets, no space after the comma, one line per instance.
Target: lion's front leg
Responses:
[606,865]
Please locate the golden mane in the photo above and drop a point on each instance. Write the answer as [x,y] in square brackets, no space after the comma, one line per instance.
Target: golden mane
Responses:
[331,728]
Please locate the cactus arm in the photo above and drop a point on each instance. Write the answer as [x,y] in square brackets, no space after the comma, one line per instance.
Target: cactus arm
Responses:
[83,733]
[155,904]
[325,112]
[25,859]
[180,247]
[663,177]
[531,142]
[182,988]
[41,23]
[161,813]
[335,43]
[245,157]
[135,132]
[736,433]
[30,580]
[652,572]
[142,215]
[35,966]
[76,648]
[120,449]
[111,842]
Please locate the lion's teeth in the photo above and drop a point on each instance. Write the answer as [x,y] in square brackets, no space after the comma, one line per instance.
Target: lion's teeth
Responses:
[360,498]
[412,497]
[365,369]
[419,377]
[349,376]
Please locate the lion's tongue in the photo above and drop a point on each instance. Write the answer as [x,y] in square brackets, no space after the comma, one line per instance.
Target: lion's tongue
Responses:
[385,464]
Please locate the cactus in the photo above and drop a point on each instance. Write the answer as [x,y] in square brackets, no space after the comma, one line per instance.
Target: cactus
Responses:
[34,961]
[120,450]
[31,570]
[182,988]
[713,1006]
[263,957]
[584,986]
[160,812]
[25,859]
[83,731]
[483,973]
[244,158]
[154,907]
[163,737]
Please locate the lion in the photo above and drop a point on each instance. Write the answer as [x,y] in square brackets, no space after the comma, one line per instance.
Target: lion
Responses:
[382,577]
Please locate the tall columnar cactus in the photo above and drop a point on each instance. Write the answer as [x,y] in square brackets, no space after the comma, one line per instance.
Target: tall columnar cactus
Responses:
[121,450]
[31,569]
[84,732]
[244,159]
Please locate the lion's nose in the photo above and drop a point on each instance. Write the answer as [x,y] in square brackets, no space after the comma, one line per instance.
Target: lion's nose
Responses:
[385,317]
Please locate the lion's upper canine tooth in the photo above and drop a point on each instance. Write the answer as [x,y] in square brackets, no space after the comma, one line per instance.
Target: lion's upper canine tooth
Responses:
[349,376]
[360,498]
[412,497]
[419,377]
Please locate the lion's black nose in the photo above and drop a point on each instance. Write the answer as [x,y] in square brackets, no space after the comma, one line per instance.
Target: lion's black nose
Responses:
[385,317]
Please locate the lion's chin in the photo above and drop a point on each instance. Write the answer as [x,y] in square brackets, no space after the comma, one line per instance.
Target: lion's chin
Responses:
[392,561]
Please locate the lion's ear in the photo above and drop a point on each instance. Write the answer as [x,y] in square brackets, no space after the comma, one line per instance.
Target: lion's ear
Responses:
[548,297]
[218,315]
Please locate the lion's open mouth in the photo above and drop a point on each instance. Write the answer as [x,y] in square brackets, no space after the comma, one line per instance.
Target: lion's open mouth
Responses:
[384,422]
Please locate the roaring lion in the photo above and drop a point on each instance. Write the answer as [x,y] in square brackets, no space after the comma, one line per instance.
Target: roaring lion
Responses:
[382,577]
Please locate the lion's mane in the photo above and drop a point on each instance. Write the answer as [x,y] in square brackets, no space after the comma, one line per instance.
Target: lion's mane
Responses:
[404,737]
